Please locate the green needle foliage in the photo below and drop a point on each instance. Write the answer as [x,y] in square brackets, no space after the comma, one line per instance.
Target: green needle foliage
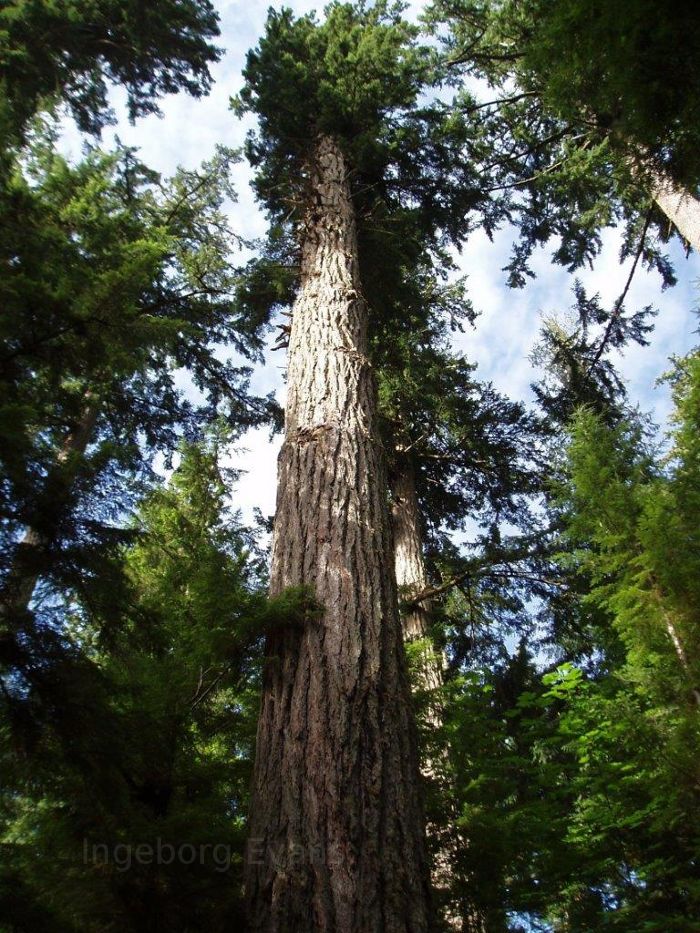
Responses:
[633,730]
[129,677]
[577,788]
[582,102]
[116,282]
[70,51]
[143,736]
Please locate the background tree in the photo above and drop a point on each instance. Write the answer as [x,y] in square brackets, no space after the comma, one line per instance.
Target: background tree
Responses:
[141,734]
[574,758]
[633,728]
[591,119]
[111,280]
[117,281]
[70,52]
[115,284]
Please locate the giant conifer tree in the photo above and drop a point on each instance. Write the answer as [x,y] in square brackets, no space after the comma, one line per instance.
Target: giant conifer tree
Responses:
[336,834]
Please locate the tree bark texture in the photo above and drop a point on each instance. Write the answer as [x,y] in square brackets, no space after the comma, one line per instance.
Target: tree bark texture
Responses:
[336,829]
[680,206]
[412,579]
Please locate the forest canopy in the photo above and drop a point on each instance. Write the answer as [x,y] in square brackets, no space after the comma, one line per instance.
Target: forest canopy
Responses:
[436,669]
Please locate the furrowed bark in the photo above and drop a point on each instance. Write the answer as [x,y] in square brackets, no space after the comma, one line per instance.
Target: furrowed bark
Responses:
[336,837]
[27,565]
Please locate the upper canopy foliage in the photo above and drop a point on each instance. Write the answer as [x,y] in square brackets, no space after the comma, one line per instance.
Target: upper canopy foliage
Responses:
[584,101]
[357,76]
[114,278]
[56,51]
[630,70]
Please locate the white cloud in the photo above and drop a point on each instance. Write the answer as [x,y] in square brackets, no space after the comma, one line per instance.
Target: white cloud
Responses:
[510,320]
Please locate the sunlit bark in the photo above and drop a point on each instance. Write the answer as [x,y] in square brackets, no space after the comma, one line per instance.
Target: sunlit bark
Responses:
[336,837]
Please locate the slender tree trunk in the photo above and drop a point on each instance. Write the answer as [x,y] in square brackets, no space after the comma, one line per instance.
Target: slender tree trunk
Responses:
[336,835]
[412,579]
[677,641]
[455,907]
[411,576]
[680,206]
[28,563]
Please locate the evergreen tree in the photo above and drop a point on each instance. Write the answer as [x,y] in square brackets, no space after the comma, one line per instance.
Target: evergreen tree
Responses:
[576,787]
[112,279]
[141,735]
[115,280]
[337,105]
[592,118]
[66,52]
[632,730]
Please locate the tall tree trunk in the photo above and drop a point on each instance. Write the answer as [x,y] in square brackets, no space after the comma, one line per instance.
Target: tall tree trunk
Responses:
[28,563]
[680,206]
[411,575]
[336,835]
[456,912]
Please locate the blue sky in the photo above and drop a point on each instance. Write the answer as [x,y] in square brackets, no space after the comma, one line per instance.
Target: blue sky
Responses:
[509,321]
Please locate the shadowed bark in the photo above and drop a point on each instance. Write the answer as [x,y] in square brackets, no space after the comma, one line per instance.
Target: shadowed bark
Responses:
[412,578]
[429,664]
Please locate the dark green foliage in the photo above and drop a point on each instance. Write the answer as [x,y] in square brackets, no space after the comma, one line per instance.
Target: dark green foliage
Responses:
[129,679]
[633,66]
[68,51]
[341,78]
[114,281]
[144,733]
[633,729]
[510,791]
[628,69]
[583,99]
